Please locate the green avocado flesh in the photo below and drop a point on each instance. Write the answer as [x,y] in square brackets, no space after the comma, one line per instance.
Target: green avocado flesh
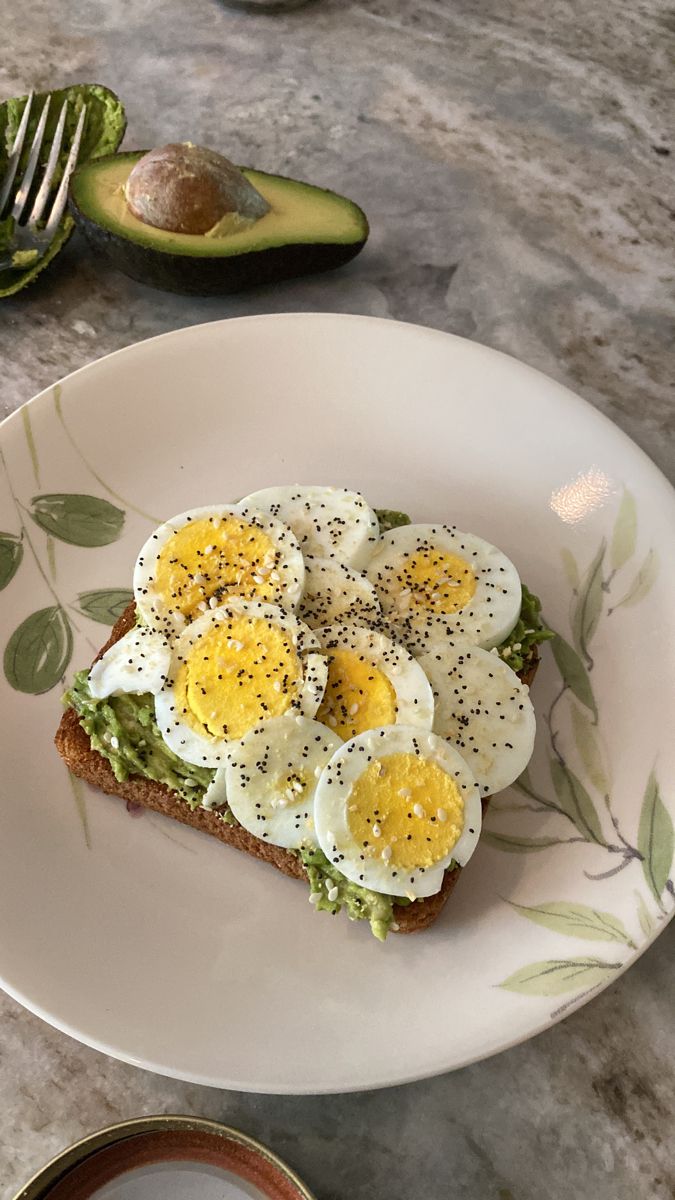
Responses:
[139,748]
[104,128]
[124,730]
[307,229]
[359,903]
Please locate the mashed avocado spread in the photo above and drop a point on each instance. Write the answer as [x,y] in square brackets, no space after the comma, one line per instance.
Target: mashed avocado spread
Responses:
[519,649]
[124,730]
[360,902]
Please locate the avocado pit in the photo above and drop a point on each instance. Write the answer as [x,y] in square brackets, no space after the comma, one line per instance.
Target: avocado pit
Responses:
[184,188]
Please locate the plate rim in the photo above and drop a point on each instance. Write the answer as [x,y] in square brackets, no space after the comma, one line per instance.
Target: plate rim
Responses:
[549,1022]
[480,350]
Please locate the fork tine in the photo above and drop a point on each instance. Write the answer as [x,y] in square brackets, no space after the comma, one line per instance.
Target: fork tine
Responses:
[15,153]
[22,194]
[41,198]
[62,194]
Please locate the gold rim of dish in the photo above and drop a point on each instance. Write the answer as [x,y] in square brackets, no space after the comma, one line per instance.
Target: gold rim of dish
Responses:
[37,1188]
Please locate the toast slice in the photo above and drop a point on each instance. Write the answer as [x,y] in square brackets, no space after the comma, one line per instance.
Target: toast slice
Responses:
[73,744]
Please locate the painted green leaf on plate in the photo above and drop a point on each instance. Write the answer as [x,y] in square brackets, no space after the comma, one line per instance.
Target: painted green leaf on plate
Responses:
[571,568]
[573,672]
[625,532]
[643,582]
[525,785]
[656,840]
[588,608]
[78,519]
[577,920]
[555,976]
[11,553]
[517,845]
[575,801]
[524,782]
[51,555]
[588,747]
[105,604]
[647,922]
[38,652]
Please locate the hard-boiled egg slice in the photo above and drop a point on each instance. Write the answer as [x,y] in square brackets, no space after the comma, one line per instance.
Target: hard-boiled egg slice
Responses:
[138,662]
[235,666]
[271,777]
[425,572]
[484,710]
[199,558]
[328,522]
[372,681]
[394,807]
[334,592]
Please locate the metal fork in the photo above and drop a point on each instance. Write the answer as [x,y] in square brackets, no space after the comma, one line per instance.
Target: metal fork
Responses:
[32,236]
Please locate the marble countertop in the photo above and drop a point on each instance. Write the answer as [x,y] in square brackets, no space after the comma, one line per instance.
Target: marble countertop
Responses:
[515,166]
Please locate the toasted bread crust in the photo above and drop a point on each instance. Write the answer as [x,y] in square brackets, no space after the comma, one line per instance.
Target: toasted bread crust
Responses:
[75,749]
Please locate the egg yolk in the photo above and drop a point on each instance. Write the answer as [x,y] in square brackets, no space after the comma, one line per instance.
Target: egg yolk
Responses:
[406,810]
[358,696]
[436,580]
[237,674]
[215,556]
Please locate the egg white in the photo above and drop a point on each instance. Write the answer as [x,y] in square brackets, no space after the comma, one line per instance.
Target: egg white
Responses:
[329,522]
[483,709]
[335,592]
[137,663]
[215,795]
[488,616]
[271,777]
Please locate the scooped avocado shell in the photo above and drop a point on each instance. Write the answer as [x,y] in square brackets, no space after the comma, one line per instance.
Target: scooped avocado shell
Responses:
[103,131]
[305,229]
[189,189]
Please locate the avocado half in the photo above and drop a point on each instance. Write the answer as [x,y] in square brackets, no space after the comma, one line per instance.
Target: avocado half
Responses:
[307,229]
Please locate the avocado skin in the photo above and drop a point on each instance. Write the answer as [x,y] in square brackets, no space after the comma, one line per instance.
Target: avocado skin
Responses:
[213,276]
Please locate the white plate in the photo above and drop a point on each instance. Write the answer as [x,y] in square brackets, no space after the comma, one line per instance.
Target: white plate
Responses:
[162,947]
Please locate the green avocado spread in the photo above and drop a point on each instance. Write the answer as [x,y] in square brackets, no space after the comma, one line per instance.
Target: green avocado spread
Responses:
[391,518]
[124,730]
[360,903]
[520,648]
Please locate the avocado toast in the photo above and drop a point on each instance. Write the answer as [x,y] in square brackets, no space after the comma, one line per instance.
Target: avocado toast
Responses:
[116,743]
